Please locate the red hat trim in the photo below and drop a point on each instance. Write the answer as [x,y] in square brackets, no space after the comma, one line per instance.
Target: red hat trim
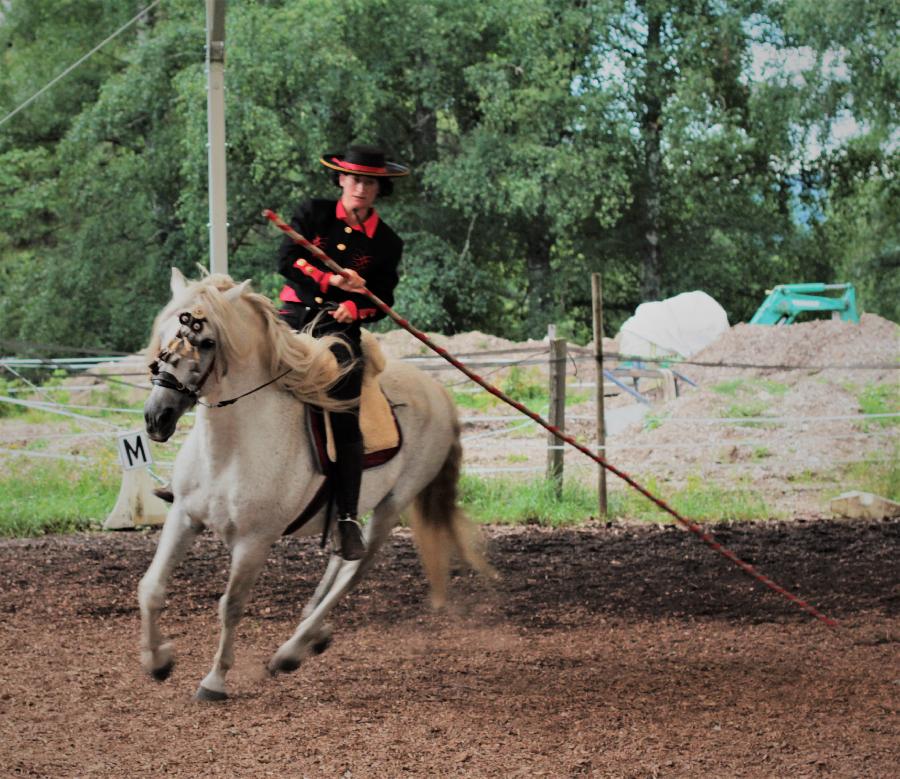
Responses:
[354,166]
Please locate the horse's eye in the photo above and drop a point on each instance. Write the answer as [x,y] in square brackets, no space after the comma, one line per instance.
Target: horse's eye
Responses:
[207,343]
[185,318]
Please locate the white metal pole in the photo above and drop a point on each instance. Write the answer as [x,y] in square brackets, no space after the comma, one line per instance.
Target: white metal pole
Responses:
[215,107]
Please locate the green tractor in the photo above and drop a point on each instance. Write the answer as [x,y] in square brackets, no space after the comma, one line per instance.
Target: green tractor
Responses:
[787,301]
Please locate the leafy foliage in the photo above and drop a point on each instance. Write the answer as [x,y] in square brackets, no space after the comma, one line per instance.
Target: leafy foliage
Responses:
[548,140]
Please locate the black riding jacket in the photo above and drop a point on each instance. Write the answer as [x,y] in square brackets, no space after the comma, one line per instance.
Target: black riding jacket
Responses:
[373,250]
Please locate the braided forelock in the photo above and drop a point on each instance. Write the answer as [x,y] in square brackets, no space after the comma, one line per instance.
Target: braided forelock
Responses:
[207,293]
[172,309]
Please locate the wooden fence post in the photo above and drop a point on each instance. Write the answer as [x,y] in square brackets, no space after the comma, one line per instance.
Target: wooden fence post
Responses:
[597,297]
[557,411]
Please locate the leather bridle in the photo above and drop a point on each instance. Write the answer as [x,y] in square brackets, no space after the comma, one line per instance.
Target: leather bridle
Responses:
[185,343]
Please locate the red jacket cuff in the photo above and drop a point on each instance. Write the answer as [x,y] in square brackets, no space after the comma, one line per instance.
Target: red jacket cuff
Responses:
[351,309]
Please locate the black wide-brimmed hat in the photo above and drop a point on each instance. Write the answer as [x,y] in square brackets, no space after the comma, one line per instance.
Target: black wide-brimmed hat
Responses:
[364,161]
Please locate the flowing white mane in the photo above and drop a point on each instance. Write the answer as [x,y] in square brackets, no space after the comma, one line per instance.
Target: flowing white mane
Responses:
[247,323]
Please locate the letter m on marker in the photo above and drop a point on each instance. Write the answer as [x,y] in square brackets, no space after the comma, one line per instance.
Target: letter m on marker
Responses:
[133,451]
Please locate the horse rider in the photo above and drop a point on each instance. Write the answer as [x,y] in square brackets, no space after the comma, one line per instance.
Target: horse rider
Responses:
[351,232]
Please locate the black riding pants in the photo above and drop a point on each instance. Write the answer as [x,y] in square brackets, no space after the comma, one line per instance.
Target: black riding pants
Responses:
[344,425]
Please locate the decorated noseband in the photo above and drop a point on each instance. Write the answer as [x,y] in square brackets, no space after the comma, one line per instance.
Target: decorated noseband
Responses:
[184,346]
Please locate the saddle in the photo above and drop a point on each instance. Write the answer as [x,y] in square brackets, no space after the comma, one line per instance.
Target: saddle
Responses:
[381,433]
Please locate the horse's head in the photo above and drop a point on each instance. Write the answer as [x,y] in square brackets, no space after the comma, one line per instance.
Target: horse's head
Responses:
[187,335]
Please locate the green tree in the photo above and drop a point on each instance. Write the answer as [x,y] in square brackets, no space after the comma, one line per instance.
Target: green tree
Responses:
[548,139]
[78,222]
[710,152]
[853,76]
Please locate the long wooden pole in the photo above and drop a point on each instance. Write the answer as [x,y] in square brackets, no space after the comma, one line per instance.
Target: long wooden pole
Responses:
[597,298]
[688,524]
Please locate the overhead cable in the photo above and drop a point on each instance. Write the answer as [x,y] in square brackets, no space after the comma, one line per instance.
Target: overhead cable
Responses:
[79,62]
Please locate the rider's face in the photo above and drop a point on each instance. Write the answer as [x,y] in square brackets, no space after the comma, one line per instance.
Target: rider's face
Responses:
[359,192]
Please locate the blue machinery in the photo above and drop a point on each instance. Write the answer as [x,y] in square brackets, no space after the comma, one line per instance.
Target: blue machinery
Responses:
[787,301]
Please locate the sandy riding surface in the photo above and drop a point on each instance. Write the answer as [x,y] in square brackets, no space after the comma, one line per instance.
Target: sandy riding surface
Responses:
[606,651]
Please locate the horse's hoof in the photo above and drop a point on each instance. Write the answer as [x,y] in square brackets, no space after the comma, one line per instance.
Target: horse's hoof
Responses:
[162,673]
[321,645]
[212,696]
[285,666]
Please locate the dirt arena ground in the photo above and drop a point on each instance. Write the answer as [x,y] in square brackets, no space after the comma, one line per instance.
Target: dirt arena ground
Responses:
[620,651]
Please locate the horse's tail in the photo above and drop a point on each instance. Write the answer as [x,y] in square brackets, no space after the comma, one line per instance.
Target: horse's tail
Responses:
[439,526]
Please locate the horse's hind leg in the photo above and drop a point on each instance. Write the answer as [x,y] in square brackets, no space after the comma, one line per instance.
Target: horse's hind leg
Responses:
[340,576]
[325,584]
[177,535]
[247,559]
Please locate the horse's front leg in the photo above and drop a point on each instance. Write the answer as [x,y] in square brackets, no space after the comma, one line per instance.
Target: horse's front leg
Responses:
[247,559]
[313,633]
[177,535]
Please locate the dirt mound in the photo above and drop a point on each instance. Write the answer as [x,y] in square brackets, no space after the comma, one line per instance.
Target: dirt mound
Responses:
[822,344]
[400,343]
[799,410]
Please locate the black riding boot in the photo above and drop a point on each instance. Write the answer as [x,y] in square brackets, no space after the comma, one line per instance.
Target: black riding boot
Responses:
[165,493]
[348,469]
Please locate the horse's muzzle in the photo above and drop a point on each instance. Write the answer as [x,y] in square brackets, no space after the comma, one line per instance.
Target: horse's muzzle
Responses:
[162,411]
[160,426]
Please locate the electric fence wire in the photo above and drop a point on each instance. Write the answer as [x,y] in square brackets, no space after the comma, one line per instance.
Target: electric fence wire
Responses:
[478,420]
[78,62]
[18,345]
[44,455]
[428,363]
[52,406]
[49,405]
[500,366]
[722,420]
[535,355]
[585,468]
[48,400]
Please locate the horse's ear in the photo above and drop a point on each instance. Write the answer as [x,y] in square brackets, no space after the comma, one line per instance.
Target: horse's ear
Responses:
[236,291]
[177,283]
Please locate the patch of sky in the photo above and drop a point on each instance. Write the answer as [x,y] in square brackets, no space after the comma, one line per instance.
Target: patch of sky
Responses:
[771,61]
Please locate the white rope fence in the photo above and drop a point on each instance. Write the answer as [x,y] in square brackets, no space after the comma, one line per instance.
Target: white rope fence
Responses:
[516,423]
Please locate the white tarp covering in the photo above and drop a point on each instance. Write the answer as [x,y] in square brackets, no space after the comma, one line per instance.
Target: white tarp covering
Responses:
[681,325]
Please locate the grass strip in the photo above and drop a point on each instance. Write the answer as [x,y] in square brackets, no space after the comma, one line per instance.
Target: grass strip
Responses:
[38,497]
[515,501]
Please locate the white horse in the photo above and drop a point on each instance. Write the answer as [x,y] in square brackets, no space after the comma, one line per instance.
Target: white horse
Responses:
[247,470]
